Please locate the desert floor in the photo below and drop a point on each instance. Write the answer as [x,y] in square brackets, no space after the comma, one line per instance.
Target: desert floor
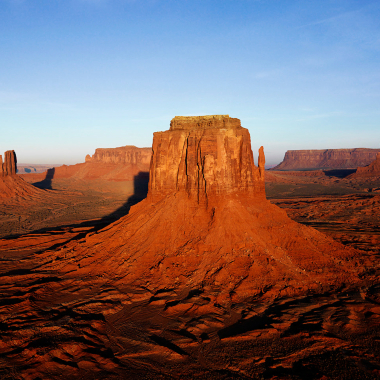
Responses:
[56,325]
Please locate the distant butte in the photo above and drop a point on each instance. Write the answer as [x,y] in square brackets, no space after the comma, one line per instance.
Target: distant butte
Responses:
[128,154]
[11,185]
[9,167]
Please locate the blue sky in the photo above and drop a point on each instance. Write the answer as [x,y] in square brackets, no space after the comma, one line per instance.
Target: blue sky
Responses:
[76,75]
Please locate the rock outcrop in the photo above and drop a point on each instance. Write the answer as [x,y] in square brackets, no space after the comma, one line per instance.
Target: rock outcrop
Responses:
[9,166]
[327,159]
[372,170]
[128,154]
[11,185]
[205,156]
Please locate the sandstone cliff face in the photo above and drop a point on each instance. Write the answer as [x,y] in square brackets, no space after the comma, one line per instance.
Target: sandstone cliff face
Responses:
[372,170]
[327,159]
[128,154]
[9,166]
[205,156]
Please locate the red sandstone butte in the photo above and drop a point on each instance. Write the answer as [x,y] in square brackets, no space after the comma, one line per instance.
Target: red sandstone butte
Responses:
[327,159]
[9,167]
[205,156]
[372,170]
[206,223]
[11,185]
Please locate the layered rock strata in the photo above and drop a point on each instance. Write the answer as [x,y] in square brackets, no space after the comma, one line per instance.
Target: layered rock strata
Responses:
[9,166]
[327,159]
[128,154]
[205,156]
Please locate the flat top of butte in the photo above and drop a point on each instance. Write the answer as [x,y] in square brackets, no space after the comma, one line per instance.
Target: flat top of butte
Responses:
[203,122]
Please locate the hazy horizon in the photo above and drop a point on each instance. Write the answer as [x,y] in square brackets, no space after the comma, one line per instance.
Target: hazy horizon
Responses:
[85,74]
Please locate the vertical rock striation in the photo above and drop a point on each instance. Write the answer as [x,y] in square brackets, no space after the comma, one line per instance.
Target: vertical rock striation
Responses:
[205,156]
[9,166]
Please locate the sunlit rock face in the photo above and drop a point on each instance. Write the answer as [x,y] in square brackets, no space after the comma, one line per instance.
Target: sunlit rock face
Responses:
[9,166]
[205,156]
[128,154]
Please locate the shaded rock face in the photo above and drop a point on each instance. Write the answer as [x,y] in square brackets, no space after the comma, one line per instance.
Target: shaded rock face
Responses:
[128,154]
[372,170]
[205,156]
[9,166]
[327,159]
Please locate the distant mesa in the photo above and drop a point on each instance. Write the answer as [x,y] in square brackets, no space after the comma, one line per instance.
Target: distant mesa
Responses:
[112,164]
[9,166]
[371,170]
[206,223]
[327,159]
[23,168]
[128,154]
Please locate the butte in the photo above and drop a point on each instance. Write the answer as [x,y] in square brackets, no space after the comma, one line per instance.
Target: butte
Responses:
[11,185]
[206,224]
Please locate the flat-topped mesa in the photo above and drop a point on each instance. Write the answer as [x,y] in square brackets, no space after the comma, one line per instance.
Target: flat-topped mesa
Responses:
[316,159]
[128,154]
[203,122]
[206,157]
[9,166]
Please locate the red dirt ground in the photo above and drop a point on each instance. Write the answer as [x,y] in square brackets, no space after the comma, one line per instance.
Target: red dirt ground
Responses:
[68,311]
